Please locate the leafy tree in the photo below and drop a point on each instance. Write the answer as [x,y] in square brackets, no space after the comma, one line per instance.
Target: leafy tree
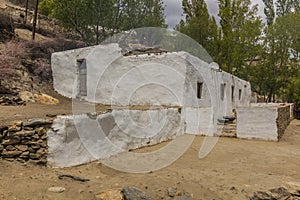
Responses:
[198,22]
[284,7]
[239,35]
[269,11]
[94,20]
[281,54]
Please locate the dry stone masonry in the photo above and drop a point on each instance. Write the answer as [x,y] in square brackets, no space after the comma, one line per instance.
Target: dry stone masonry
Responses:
[25,141]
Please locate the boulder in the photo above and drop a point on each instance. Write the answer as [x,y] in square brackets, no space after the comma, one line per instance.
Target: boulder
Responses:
[109,195]
[132,193]
[37,122]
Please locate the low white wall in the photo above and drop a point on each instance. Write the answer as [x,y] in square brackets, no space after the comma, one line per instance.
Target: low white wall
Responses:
[257,123]
[75,140]
[199,121]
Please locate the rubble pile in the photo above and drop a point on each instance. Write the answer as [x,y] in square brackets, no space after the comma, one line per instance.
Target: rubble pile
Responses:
[11,101]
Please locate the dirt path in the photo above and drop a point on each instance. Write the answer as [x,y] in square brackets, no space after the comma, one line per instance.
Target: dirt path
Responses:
[234,170]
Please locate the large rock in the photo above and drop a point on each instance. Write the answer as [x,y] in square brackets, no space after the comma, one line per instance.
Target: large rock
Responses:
[45,99]
[23,133]
[110,195]
[17,126]
[37,122]
[10,154]
[38,98]
[132,193]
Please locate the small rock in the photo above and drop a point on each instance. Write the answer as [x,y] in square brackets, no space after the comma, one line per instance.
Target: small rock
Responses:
[25,154]
[21,160]
[10,148]
[17,126]
[36,136]
[11,141]
[110,194]
[28,129]
[31,150]
[41,152]
[22,147]
[1,147]
[33,156]
[172,192]
[280,193]
[131,193]
[261,196]
[41,131]
[57,189]
[183,197]
[10,154]
[35,146]
[24,133]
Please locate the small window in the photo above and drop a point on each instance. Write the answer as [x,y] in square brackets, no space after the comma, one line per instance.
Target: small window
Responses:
[223,86]
[82,82]
[199,90]
[240,94]
[232,93]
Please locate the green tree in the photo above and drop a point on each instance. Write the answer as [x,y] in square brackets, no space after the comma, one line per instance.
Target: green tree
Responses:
[284,7]
[269,11]
[197,21]
[240,35]
[281,57]
[94,20]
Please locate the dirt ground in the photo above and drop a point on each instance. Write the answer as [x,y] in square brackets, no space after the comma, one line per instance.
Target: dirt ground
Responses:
[233,170]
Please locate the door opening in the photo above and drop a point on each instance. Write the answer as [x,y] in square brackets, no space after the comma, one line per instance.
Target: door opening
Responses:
[82,78]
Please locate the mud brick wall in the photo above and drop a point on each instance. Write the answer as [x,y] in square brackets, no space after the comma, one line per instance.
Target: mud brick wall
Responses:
[25,141]
[283,120]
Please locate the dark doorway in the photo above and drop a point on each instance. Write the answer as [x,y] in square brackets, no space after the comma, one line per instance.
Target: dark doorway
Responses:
[199,90]
[82,78]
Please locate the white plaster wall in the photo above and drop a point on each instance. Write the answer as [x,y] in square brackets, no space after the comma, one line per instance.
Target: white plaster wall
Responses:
[109,134]
[65,71]
[142,80]
[257,123]
[213,78]
[167,79]
[199,121]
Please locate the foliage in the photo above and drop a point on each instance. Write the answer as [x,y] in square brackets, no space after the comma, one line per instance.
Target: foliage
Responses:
[95,20]
[198,24]
[267,56]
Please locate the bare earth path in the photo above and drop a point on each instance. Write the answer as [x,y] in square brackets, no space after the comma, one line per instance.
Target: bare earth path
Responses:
[233,170]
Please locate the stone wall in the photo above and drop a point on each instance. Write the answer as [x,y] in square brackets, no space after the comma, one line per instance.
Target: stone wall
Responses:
[25,141]
[283,119]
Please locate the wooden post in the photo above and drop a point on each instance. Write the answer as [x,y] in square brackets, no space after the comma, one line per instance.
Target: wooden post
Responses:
[26,12]
[35,19]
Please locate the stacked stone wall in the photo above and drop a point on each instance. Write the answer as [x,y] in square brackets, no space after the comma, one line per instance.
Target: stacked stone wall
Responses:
[25,141]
